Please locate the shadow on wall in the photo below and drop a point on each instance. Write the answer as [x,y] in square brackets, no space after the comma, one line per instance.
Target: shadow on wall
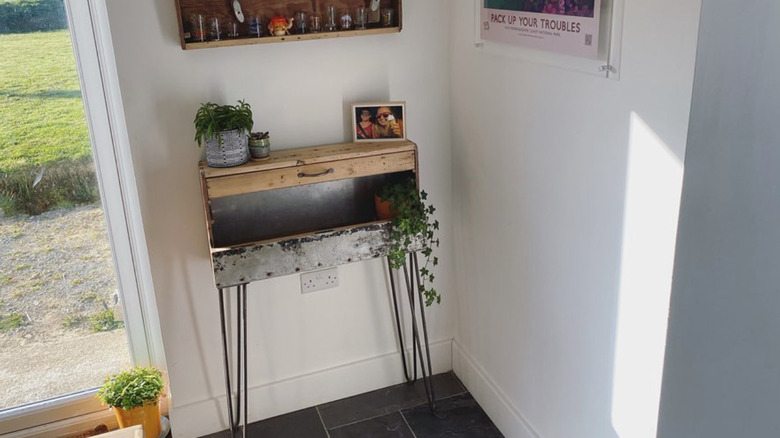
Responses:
[653,188]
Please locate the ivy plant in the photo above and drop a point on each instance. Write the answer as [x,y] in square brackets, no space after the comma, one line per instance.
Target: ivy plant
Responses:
[413,220]
[211,119]
[131,389]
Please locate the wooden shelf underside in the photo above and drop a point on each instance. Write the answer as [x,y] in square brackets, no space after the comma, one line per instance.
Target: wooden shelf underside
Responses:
[290,38]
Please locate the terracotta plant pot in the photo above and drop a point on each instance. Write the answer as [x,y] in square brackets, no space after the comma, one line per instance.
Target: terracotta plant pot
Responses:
[147,416]
[383,211]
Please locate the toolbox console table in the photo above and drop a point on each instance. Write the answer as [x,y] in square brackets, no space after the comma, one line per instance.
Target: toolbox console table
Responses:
[300,210]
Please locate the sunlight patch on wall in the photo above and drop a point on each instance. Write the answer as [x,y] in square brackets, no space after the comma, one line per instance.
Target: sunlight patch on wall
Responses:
[653,187]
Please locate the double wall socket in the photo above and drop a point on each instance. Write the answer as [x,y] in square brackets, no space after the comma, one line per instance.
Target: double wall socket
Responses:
[318,280]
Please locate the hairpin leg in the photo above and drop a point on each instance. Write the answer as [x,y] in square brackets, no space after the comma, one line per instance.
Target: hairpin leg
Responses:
[412,285]
[398,321]
[429,386]
[241,365]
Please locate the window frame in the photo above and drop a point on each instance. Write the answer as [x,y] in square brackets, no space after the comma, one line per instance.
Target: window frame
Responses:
[93,49]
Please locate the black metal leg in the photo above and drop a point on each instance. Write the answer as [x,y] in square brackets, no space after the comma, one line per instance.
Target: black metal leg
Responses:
[415,335]
[238,358]
[246,379]
[241,365]
[427,383]
[429,387]
[413,283]
[398,321]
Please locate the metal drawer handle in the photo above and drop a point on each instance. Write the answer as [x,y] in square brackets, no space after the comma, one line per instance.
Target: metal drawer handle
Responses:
[312,175]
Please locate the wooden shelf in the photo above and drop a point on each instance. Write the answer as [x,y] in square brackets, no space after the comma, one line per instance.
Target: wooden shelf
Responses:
[267,9]
[290,38]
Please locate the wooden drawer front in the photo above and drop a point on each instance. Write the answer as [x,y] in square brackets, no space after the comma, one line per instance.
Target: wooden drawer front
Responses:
[295,176]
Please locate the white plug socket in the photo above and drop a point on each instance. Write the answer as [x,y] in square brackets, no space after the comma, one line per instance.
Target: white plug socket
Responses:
[319,280]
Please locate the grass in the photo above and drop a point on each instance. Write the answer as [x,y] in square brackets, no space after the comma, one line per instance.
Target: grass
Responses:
[104,322]
[11,321]
[74,320]
[41,111]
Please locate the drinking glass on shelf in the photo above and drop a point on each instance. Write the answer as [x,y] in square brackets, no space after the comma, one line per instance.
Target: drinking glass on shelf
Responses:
[232,31]
[300,22]
[255,26]
[214,31]
[198,27]
[388,16]
[315,24]
[360,17]
[330,24]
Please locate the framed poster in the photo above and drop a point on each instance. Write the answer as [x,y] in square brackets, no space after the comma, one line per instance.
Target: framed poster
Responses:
[565,26]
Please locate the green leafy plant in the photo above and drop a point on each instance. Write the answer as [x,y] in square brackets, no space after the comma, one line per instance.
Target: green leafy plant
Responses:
[412,221]
[133,388]
[211,119]
[12,321]
[104,322]
[73,320]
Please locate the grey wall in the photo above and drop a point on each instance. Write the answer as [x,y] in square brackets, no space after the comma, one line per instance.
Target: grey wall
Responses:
[722,369]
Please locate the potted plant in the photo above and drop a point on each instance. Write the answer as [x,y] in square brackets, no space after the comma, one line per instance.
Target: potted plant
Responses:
[259,145]
[225,129]
[134,397]
[411,219]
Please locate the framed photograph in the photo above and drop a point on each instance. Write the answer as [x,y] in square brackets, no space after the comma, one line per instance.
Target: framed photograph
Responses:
[378,121]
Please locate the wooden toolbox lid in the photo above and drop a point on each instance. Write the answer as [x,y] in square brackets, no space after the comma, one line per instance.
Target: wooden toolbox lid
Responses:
[296,167]
[311,155]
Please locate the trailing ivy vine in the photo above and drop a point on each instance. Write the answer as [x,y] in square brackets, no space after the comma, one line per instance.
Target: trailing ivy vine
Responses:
[412,222]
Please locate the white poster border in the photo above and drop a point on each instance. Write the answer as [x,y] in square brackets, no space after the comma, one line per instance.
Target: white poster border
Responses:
[607,65]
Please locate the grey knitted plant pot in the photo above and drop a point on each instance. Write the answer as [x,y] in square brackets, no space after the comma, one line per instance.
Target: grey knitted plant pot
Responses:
[231,151]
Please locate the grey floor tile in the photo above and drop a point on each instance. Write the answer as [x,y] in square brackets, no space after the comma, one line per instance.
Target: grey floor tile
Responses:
[455,417]
[386,426]
[300,424]
[386,400]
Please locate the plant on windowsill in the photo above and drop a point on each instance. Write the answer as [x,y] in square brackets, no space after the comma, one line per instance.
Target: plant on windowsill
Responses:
[134,396]
[225,130]
[411,221]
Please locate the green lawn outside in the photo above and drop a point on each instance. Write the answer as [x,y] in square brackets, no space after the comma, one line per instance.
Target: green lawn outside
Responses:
[41,112]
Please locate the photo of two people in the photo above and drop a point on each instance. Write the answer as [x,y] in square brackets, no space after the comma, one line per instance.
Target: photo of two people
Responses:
[378,121]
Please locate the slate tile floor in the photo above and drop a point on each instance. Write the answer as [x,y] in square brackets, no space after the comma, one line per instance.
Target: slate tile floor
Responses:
[399,411]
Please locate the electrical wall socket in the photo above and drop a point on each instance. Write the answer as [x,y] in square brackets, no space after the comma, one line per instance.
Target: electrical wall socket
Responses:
[318,280]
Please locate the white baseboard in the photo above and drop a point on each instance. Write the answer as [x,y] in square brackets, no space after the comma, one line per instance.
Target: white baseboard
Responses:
[496,404]
[300,392]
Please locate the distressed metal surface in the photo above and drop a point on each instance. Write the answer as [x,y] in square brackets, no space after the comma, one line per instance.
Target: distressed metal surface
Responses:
[295,210]
[290,256]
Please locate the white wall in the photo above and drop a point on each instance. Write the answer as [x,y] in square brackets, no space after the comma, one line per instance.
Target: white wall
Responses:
[302,346]
[541,174]
[721,376]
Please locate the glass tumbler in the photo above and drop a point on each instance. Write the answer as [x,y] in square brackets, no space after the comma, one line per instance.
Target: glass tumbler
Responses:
[330,24]
[198,27]
[300,22]
[214,30]
[315,23]
[255,26]
[360,17]
[388,17]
